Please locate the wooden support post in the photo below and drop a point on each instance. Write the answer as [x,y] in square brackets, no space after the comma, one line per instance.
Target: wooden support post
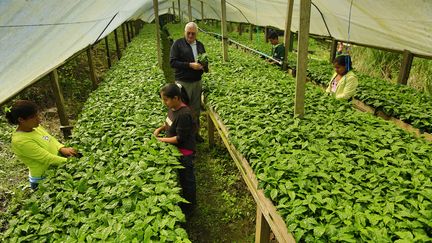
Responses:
[240,28]
[64,121]
[405,67]
[158,36]
[224,32]
[124,35]
[251,29]
[91,67]
[179,10]
[202,10]
[131,29]
[287,36]
[128,32]
[117,45]
[189,11]
[211,131]
[291,46]
[265,34]
[174,12]
[333,49]
[262,230]
[136,27]
[303,41]
[107,52]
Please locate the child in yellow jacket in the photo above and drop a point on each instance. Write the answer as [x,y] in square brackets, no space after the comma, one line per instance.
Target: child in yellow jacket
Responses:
[34,146]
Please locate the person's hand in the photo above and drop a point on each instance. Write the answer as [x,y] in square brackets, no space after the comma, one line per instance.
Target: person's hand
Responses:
[195,66]
[68,152]
[156,132]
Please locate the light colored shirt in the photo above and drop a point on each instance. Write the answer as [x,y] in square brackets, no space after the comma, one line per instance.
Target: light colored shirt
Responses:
[346,87]
[37,150]
[334,85]
[194,50]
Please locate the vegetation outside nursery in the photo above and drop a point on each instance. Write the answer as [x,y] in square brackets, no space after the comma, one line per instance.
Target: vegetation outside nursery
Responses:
[283,158]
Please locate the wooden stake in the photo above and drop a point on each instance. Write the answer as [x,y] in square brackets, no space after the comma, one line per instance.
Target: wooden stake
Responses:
[265,34]
[107,52]
[173,9]
[202,10]
[303,41]
[117,45]
[128,32]
[91,67]
[158,36]
[251,31]
[179,10]
[136,27]
[189,11]
[131,29]
[58,95]
[211,131]
[405,68]
[124,35]
[224,32]
[240,28]
[287,36]
[333,50]
[291,46]
[262,230]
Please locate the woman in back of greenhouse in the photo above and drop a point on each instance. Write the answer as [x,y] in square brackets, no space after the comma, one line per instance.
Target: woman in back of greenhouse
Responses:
[180,130]
[32,144]
[343,84]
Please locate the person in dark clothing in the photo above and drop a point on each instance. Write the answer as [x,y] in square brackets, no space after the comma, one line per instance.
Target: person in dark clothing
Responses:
[278,49]
[184,58]
[180,129]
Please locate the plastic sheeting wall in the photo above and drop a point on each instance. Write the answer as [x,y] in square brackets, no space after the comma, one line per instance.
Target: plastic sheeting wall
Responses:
[37,36]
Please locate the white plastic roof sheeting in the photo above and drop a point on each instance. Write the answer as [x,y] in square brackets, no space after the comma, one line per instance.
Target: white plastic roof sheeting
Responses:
[37,36]
[392,24]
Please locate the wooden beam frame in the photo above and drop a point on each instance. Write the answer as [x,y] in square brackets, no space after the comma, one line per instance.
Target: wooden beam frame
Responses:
[265,206]
[303,42]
